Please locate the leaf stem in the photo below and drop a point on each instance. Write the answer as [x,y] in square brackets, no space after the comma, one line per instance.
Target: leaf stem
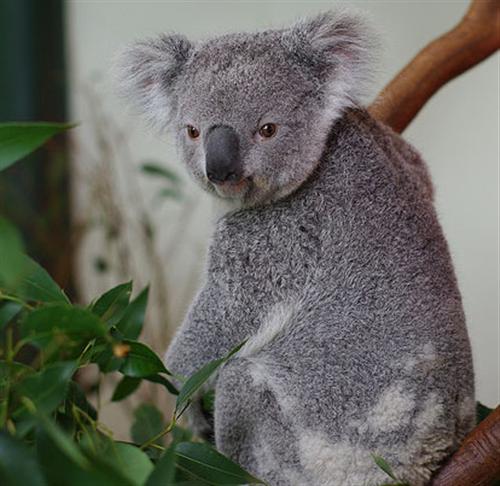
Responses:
[8,344]
[165,431]
[13,298]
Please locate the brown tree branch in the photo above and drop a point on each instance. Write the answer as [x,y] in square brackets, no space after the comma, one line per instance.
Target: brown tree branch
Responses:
[477,462]
[476,37]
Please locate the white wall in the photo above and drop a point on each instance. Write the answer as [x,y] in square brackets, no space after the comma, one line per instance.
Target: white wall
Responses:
[457,132]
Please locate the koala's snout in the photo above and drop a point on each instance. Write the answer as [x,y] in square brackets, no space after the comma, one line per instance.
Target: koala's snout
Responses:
[222,154]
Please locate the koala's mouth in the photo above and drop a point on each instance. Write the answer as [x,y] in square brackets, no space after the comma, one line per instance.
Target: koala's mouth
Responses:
[233,189]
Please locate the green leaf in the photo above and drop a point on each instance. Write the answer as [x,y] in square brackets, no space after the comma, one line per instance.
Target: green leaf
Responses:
[62,441]
[194,382]
[18,464]
[169,193]
[76,396]
[208,401]
[8,311]
[164,472]
[161,380]
[57,320]
[19,139]
[20,275]
[180,434]
[204,463]
[119,460]
[62,459]
[482,411]
[32,283]
[11,372]
[57,466]
[46,389]
[11,254]
[141,361]
[382,464]
[126,386]
[133,463]
[111,305]
[37,285]
[148,422]
[103,356]
[153,169]
[130,324]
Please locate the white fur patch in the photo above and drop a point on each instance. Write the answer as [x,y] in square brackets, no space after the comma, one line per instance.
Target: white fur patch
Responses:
[328,464]
[423,360]
[393,409]
[428,445]
[466,416]
[275,323]
[262,374]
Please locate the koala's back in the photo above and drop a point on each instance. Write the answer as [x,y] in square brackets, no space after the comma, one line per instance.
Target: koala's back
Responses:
[357,340]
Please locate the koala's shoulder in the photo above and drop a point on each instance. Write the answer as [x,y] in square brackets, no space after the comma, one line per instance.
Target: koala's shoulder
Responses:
[365,146]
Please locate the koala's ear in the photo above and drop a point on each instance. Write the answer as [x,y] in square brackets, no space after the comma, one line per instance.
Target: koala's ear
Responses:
[340,46]
[146,74]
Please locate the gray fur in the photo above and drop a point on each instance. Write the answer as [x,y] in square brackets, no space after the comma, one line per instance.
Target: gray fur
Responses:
[335,265]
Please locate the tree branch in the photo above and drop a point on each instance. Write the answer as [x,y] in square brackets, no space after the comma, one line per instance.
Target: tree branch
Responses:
[477,462]
[476,37]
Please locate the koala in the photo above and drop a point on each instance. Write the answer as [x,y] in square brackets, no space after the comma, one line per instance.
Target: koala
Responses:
[330,260]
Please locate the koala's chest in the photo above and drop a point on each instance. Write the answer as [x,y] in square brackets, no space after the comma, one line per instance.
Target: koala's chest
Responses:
[273,258]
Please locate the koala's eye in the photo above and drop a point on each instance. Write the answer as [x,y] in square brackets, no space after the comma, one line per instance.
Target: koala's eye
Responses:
[192,132]
[268,130]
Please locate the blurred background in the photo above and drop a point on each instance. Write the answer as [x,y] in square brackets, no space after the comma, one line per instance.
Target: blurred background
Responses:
[109,202]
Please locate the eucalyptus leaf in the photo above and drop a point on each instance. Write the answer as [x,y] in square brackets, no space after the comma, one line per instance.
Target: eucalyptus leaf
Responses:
[12,260]
[76,396]
[62,441]
[180,434]
[130,325]
[18,139]
[148,422]
[8,311]
[164,472]
[18,464]
[50,453]
[119,460]
[161,380]
[155,169]
[169,193]
[208,401]
[20,276]
[196,381]
[11,372]
[107,361]
[46,389]
[133,463]
[382,464]
[482,411]
[203,462]
[112,304]
[31,283]
[57,320]
[64,461]
[141,361]
[125,387]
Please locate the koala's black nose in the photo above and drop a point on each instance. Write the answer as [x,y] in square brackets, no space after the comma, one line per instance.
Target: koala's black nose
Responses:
[222,149]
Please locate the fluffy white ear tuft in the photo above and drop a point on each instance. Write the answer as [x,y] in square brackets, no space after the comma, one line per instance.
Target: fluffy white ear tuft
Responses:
[146,74]
[341,47]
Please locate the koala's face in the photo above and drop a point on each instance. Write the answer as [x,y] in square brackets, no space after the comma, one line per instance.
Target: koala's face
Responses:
[249,118]
[251,112]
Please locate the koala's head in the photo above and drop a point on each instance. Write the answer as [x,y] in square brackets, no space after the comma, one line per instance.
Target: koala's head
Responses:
[251,112]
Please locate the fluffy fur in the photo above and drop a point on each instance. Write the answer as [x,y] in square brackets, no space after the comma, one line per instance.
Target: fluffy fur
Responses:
[335,266]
